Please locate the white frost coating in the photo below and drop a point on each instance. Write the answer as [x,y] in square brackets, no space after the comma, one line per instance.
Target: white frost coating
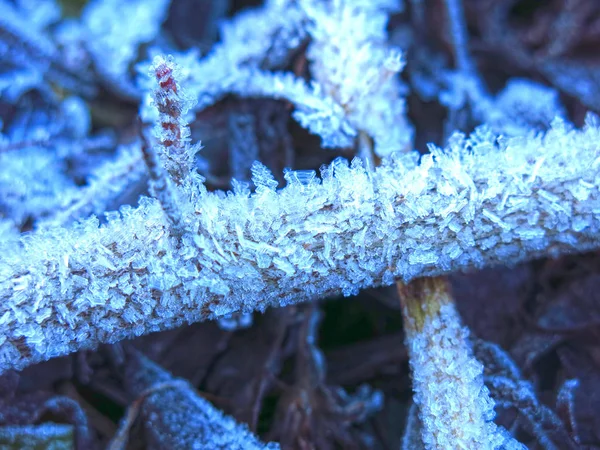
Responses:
[130,276]
[455,407]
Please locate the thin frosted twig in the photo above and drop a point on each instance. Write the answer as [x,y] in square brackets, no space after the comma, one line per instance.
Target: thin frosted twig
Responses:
[511,390]
[171,129]
[477,203]
[171,164]
[161,188]
[269,34]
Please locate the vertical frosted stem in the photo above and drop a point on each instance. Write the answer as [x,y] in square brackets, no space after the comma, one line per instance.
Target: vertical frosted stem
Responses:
[171,129]
[454,405]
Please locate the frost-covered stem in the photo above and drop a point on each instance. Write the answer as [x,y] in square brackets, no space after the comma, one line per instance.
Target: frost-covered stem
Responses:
[470,206]
[171,129]
[160,187]
[175,157]
[454,406]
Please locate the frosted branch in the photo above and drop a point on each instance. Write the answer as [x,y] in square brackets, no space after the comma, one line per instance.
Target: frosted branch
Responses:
[477,203]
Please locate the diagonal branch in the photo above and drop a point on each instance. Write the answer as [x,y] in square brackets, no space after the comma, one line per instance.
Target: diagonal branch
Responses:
[475,204]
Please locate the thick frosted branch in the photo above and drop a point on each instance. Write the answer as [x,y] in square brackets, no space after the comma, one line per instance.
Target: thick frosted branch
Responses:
[475,204]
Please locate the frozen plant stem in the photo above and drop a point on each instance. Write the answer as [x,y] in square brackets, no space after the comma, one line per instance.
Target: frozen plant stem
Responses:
[454,406]
[170,167]
[160,188]
[171,129]
[477,203]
